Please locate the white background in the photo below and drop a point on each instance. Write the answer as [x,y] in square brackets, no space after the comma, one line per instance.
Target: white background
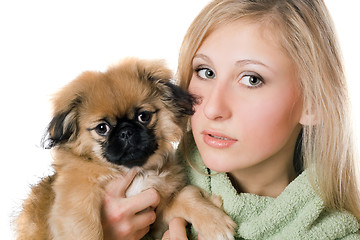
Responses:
[45,44]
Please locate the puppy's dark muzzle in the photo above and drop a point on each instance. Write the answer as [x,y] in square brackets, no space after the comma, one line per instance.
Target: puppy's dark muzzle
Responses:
[130,144]
[126,135]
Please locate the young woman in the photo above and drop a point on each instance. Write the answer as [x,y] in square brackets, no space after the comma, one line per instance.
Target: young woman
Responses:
[271,133]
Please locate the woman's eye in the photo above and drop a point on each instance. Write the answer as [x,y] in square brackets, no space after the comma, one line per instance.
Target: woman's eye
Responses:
[145,117]
[206,73]
[252,81]
[102,129]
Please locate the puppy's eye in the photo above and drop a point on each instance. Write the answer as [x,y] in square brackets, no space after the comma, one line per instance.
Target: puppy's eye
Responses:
[102,129]
[145,117]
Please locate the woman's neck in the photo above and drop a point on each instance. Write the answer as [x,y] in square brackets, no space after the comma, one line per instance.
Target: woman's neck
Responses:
[266,179]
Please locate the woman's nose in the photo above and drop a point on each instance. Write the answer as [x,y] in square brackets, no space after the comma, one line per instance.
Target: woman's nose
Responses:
[217,105]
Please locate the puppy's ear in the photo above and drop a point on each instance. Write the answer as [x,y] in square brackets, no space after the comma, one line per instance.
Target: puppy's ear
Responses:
[179,101]
[176,99]
[63,127]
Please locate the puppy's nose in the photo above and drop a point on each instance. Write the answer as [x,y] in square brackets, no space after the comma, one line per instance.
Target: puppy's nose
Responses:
[126,133]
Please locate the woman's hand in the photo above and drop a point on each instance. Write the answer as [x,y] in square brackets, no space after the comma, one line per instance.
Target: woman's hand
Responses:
[177,230]
[127,218]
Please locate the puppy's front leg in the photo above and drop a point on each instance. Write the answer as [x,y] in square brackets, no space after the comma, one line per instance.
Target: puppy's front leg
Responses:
[76,211]
[203,211]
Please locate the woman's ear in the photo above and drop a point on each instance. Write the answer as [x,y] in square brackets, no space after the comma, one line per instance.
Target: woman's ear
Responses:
[308,117]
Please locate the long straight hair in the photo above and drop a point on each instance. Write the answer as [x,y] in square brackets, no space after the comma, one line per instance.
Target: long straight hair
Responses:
[306,33]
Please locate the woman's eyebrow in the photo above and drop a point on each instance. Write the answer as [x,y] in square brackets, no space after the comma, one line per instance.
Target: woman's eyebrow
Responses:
[244,62]
[239,62]
[203,57]
[251,61]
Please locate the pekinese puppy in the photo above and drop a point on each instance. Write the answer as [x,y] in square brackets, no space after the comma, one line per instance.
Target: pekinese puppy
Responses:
[104,124]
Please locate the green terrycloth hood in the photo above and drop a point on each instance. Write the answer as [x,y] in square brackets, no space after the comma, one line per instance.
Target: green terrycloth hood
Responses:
[298,213]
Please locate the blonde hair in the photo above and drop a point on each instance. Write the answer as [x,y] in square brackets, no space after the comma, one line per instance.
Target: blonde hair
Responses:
[306,33]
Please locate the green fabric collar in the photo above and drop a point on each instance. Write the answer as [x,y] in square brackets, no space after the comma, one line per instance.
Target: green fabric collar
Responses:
[297,213]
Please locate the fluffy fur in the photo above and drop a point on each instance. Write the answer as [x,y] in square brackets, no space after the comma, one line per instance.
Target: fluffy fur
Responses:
[103,124]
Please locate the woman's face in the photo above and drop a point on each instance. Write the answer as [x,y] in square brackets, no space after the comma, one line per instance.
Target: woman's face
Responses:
[250,103]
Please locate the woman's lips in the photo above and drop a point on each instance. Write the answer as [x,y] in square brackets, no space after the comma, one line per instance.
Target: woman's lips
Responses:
[217,140]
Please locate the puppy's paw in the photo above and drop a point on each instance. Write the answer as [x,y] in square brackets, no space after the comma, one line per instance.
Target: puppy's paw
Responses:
[216,200]
[204,212]
[216,225]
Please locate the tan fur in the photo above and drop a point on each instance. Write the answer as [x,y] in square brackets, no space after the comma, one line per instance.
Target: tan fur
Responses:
[67,205]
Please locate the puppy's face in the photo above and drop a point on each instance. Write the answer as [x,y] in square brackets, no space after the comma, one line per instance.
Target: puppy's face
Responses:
[124,116]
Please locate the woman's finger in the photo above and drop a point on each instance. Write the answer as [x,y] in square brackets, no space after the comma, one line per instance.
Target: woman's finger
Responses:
[144,219]
[119,219]
[118,187]
[141,233]
[177,228]
[149,198]
[166,235]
